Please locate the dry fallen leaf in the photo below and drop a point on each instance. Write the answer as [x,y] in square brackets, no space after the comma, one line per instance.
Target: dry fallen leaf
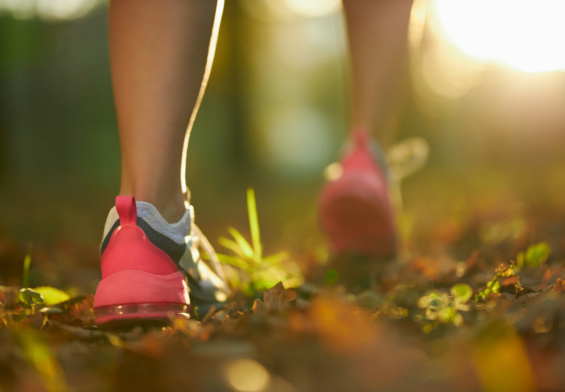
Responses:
[278,298]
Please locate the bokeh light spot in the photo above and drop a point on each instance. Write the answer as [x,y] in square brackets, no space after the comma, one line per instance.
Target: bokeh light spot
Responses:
[297,142]
[247,375]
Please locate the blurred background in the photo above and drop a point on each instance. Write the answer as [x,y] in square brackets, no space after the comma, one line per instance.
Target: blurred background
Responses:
[484,86]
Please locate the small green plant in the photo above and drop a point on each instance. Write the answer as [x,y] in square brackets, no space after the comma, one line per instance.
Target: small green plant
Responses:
[261,273]
[442,308]
[534,257]
[30,298]
[39,296]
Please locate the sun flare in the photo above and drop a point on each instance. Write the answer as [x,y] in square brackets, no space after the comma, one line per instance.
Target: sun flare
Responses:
[522,34]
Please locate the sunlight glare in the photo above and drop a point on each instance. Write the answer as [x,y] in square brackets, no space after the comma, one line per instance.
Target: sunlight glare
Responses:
[49,9]
[313,8]
[310,8]
[446,72]
[417,26]
[521,34]
[65,9]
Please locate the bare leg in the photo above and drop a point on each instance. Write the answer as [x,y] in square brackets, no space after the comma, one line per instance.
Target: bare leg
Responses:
[161,55]
[377,32]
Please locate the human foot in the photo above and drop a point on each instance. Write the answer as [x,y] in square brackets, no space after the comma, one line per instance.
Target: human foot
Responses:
[151,269]
[354,209]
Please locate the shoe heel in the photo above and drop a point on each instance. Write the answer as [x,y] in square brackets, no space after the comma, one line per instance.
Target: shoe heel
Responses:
[133,296]
[354,220]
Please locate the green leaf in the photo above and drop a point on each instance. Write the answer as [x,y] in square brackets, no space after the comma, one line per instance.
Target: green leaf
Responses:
[242,242]
[537,254]
[262,284]
[446,314]
[235,261]
[254,223]
[233,246]
[275,259]
[462,292]
[480,296]
[51,295]
[30,297]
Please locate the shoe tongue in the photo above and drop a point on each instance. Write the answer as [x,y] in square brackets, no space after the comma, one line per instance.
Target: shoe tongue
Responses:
[127,210]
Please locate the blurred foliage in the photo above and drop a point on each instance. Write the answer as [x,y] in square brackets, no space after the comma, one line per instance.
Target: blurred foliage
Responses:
[273,116]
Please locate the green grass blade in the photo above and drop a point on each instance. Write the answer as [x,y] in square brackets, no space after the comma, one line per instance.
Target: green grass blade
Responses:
[27,263]
[232,260]
[233,246]
[254,224]
[242,242]
[275,259]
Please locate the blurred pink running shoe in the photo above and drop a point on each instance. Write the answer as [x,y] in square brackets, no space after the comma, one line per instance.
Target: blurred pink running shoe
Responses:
[354,208]
[151,269]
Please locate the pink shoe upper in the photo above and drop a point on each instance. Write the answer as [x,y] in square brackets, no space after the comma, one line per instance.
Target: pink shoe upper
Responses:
[361,158]
[129,247]
[354,209]
[133,269]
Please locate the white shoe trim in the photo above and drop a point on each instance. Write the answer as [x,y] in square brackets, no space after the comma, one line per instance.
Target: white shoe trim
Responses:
[175,231]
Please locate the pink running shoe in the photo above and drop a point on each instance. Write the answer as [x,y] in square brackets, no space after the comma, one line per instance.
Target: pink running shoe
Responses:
[151,268]
[354,208]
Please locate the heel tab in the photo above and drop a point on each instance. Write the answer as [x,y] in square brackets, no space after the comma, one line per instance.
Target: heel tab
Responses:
[127,210]
[361,137]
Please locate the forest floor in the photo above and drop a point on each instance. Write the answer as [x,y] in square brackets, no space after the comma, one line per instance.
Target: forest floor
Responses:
[475,301]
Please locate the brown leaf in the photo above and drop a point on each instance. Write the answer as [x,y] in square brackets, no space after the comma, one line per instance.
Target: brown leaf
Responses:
[9,295]
[277,297]
[259,306]
[547,275]
[559,286]
[437,269]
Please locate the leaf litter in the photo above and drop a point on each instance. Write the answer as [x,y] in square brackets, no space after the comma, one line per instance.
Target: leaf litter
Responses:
[493,320]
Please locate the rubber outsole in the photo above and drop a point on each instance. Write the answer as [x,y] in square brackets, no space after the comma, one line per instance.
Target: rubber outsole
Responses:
[110,316]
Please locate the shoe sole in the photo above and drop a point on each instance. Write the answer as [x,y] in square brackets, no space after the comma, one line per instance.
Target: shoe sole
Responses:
[137,297]
[355,221]
[146,314]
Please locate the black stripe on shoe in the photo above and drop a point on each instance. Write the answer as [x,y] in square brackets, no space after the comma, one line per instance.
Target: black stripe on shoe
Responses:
[161,241]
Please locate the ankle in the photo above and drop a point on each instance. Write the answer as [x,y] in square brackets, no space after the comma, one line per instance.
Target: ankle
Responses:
[171,210]
[170,206]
